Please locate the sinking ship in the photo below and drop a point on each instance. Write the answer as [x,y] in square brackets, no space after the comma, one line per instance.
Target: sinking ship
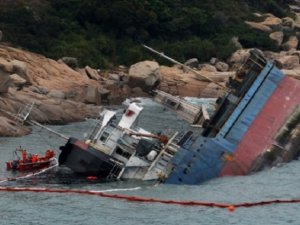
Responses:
[255,125]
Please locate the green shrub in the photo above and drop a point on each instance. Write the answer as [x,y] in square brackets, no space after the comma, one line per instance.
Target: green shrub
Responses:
[109,32]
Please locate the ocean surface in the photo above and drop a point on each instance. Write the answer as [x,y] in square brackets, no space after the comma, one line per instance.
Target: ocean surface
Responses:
[281,182]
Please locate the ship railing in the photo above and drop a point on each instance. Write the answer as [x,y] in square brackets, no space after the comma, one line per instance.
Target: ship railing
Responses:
[114,172]
[95,129]
[23,113]
[170,145]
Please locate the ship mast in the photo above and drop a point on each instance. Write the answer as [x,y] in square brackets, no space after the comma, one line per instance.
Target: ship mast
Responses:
[185,66]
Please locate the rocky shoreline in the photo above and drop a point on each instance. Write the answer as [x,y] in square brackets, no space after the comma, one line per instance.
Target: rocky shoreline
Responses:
[64,93]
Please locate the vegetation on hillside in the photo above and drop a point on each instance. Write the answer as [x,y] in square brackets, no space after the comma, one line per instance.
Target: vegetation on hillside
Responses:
[109,32]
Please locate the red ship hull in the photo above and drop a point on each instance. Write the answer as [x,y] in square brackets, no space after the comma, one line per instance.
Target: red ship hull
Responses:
[21,166]
[261,136]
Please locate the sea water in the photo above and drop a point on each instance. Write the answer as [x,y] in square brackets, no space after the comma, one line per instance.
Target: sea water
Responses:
[281,182]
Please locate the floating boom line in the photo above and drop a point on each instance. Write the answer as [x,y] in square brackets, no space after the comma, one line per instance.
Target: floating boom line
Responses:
[230,206]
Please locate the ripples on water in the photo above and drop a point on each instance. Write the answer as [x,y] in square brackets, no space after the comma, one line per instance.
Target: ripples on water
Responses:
[38,208]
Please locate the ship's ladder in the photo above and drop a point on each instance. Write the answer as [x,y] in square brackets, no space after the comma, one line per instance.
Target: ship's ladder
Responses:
[114,172]
[24,112]
[164,157]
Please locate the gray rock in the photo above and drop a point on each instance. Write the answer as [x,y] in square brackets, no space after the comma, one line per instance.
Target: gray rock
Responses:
[221,66]
[69,61]
[92,73]
[110,83]
[20,68]
[137,91]
[124,77]
[17,80]
[286,29]
[104,95]
[113,76]
[235,41]
[34,89]
[288,22]
[39,90]
[288,62]
[277,36]
[259,26]
[292,43]
[10,128]
[193,63]
[43,90]
[5,66]
[213,61]
[207,67]
[295,8]
[5,80]
[211,91]
[145,75]
[126,90]
[56,94]
[103,91]
[5,83]
[91,95]
[82,72]
[239,56]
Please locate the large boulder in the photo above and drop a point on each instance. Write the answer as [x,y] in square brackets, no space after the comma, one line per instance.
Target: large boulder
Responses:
[193,63]
[20,68]
[104,95]
[239,56]
[221,66]
[211,91]
[235,41]
[295,73]
[17,80]
[92,73]
[69,61]
[263,16]
[91,95]
[288,62]
[114,76]
[82,71]
[10,128]
[5,81]
[207,68]
[176,81]
[13,72]
[295,8]
[144,74]
[288,22]
[56,94]
[213,61]
[277,36]
[39,90]
[46,109]
[259,26]
[292,43]
[273,22]
[5,66]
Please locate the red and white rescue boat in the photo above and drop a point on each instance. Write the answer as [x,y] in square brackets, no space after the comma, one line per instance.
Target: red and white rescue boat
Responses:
[29,162]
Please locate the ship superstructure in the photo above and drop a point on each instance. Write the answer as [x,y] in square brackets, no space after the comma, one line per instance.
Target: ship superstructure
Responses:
[254,125]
